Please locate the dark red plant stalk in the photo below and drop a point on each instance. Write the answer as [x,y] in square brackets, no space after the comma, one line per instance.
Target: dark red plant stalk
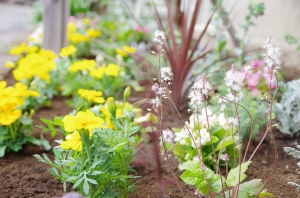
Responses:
[182,56]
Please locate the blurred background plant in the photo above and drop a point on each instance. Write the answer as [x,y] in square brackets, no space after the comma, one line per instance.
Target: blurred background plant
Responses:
[287,110]
[15,121]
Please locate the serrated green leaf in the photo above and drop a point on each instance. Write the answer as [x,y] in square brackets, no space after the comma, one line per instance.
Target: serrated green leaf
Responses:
[86,187]
[78,182]
[251,188]
[233,175]
[193,166]
[39,158]
[196,179]
[92,181]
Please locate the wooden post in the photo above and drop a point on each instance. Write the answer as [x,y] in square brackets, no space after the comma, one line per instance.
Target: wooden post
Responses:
[55,18]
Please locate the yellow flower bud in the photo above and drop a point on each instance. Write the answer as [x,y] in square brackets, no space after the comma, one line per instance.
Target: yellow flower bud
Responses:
[112,106]
[127,93]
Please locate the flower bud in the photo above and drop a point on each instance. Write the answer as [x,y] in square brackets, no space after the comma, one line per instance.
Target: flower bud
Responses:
[10,65]
[112,106]
[127,93]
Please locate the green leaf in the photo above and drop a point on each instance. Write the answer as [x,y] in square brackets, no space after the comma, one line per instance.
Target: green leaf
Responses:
[190,166]
[45,143]
[2,150]
[233,175]
[226,142]
[86,187]
[25,120]
[196,179]
[78,182]
[250,188]
[39,158]
[33,140]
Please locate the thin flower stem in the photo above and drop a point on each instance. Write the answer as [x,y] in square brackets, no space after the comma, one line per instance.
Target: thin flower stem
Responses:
[12,132]
[271,101]
[160,127]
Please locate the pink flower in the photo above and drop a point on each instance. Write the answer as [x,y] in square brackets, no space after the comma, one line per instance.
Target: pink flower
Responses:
[255,92]
[257,63]
[253,79]
[139,28]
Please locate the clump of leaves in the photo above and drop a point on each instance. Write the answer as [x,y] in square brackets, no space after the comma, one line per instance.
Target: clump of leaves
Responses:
[288,110]
[296,154]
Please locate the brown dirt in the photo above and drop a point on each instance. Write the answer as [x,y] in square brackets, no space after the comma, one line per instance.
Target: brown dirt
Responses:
[22,176]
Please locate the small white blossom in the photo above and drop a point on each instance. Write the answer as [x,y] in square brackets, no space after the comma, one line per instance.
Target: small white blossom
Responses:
[200,91]
[232,121]
[155,102]
[166,74]
[234,79]
[159,36]
[168,135]
[272,57]
[248,69]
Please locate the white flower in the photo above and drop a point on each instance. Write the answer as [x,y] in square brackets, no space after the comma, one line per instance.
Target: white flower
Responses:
[155,102]
[159,36]
[222,121]
[168,135]
[200,91]
[203,139]
[182,135]
[272,57]
[234,79]
[232,121]
[248,69]
[166,74]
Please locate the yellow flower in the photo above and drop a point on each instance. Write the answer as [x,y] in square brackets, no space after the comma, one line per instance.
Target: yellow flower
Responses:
[19,49]
[23,90]
[71,27]
[112,70]
[86,21]
[98,72]
[121,52]
[94,33]
[35,65]
[82,120]
[10,64]
[92,95]
[73,141]
[48,54]
[125,50]
[82,65]
[78,38]
[7,117]
[107,114]
[67,51]
[32,49]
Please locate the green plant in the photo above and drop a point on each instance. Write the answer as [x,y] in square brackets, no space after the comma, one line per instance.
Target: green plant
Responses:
[204,143]
[291,40]
[296,154]
[287,111]
[96,156]
[15,121]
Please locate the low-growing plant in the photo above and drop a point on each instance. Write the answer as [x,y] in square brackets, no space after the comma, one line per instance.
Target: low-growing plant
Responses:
[35,69]
[204,144]
[15,121]
[288,110]
[296,154]
[96,155]
[292,40]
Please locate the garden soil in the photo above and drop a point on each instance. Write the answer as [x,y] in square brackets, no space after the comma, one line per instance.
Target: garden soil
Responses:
[22,176]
